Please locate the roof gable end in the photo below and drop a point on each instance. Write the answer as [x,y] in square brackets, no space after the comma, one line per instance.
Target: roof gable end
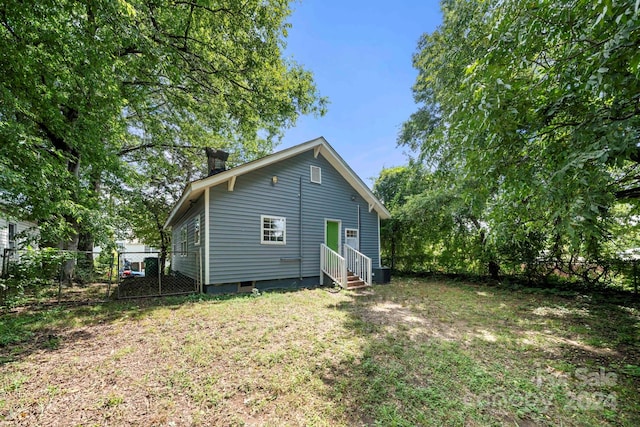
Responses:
[319,146]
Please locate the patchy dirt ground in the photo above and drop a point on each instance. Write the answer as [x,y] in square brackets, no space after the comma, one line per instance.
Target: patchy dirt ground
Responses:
[235,362]
[412,353]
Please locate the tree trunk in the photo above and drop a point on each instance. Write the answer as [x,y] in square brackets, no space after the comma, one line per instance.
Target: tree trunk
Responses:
[393,245]
[72,156]
[86,240]
[165,241]
[494,269]
[85,255]
[163,251]
[71,246]
[492,265]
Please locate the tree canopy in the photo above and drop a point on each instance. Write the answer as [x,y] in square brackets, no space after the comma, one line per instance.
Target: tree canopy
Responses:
[532,111]
[94,94]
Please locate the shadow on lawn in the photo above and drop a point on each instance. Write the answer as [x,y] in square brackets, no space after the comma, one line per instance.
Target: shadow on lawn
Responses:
[51,326]
[483,355]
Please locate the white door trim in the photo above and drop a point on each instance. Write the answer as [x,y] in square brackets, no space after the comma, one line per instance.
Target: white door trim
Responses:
[339,232]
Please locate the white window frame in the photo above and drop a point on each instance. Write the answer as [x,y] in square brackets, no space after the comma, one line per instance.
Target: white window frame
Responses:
[357,236]
[311,170]
[351,230]
[196,231]
[184,239]
[264,230]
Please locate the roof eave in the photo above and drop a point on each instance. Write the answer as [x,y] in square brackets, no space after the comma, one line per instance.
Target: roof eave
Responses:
[185,196]
[195,188]
[354,180]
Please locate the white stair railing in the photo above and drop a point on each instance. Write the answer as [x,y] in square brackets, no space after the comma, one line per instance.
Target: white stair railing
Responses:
[333,265]
[358,263]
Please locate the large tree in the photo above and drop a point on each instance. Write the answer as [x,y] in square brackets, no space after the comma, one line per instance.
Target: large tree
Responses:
[535,108]
[88,86]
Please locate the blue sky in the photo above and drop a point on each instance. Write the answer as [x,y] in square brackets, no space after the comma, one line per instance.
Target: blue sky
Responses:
[360,54]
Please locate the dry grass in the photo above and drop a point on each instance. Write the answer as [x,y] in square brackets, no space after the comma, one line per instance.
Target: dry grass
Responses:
[416,352]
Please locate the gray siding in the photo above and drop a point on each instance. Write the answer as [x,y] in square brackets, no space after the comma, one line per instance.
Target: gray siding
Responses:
[236,252]
[192,262]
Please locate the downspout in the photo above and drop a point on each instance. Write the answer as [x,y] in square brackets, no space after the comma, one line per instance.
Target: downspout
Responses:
[300,228]
[380,247]
[359,231]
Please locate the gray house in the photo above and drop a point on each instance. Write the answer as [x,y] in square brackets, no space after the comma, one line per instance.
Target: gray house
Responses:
[299,217]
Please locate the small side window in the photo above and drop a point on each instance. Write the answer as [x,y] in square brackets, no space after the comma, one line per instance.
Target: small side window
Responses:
[196,231]
[316,175]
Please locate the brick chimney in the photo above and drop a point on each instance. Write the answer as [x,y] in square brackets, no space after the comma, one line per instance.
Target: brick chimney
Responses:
[216,160]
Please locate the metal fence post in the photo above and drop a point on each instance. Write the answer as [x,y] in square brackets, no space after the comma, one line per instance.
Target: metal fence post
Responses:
[60,279]
[5,262]
[118,273]
[4,290]
[635,276]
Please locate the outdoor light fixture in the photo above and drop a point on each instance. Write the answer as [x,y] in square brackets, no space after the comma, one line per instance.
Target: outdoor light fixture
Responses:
[274,180]
[353,197]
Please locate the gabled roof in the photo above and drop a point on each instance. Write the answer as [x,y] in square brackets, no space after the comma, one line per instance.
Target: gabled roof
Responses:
[319,146]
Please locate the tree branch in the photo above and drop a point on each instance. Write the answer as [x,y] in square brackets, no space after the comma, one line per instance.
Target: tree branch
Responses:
[7,26]
[628,193]
[140,147]
[208,9]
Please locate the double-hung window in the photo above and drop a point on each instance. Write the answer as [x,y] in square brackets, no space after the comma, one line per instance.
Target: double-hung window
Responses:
[183,241]
[273,230]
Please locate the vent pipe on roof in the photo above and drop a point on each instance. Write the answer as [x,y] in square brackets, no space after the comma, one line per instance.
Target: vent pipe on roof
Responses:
[216,160]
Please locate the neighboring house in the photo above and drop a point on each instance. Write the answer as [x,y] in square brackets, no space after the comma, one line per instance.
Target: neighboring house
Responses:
[278,222]
[632,254]
[133,252]
[13,232]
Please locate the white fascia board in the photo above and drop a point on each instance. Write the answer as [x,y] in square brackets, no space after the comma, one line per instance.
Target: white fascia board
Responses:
[319,146]
[185,196]
[350,176]
[256,164]
[196,188]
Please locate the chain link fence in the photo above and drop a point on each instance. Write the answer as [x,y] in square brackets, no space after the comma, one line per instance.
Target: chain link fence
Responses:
[614,274]
[145,274]
[48,276]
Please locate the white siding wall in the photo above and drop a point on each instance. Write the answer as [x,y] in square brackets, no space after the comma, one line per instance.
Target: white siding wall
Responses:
[21,227]
[133,251]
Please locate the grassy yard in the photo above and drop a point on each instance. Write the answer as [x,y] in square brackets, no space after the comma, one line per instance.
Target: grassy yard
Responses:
[416,352]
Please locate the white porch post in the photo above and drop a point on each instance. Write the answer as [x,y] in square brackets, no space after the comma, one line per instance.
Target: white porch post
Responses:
[321,265]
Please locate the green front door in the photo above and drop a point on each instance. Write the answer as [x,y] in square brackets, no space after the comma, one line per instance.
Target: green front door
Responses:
[332,236]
